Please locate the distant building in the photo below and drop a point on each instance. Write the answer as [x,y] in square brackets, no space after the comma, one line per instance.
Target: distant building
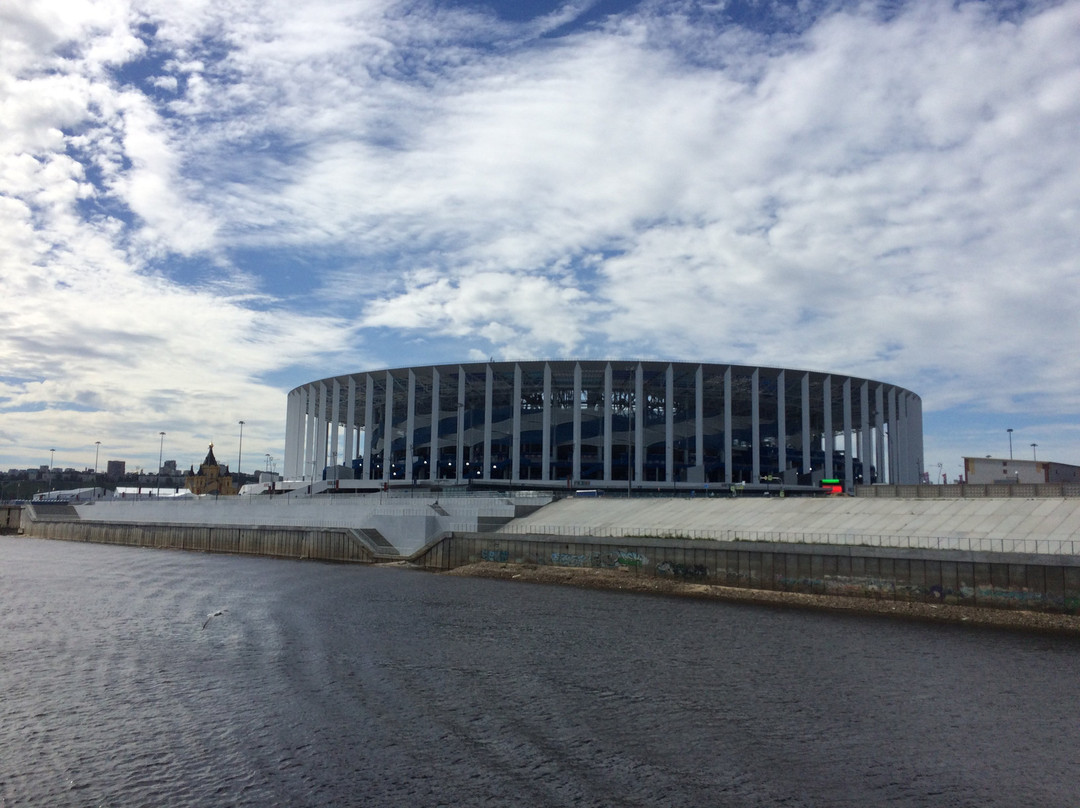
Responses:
[213,477]
[150,491]
[115,469]
[990,470]
[71,495]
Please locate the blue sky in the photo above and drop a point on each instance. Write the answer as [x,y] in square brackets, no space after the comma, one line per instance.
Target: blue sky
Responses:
[205,204]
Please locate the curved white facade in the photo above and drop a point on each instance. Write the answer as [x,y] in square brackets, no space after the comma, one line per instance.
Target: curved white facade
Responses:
[594,423]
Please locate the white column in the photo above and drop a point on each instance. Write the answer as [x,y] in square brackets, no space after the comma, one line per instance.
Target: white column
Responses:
[699,418]
[866,450]
[294,440]
[320,431]
[916,425]
[515,466]
[910,470]
[903,462]
[388,428]
[335,424]
[310,453]
[894,440]
[728,478]
[879,434]
[781,424]
[433,444]
[807,409]
[546,442]
[576,465]
[369,423]
[669,425]
[410,425]
[755,426]
[350,423]
[829,438]
[310,404]
[639,420]
[607,422]
[460,423]
[849,465]
[488,415]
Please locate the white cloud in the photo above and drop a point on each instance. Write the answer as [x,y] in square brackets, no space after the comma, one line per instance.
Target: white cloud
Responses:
[893,195]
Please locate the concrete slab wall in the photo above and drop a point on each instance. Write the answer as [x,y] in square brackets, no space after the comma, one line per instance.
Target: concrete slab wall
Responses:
[985,579]
[325,544]
[1036,525]
[407,522]
[992,580]
[10,518]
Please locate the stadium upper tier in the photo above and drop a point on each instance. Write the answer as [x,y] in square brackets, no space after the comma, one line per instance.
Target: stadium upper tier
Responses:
[603,424]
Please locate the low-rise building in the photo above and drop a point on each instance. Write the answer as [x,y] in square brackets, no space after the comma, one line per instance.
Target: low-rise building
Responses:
[992,470]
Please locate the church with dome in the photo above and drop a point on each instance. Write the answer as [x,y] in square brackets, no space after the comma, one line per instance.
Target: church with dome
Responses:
[213,477]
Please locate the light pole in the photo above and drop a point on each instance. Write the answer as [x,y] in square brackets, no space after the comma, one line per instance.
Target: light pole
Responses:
[161,452]
[1033,457]
[240,453]
[1010,443]
[97,450]
[52,457]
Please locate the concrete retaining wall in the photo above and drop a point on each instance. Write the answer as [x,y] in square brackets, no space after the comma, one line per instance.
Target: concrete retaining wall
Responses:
[1049,525]
[407,522]
[994,580]
[323,544]
[984,579]
[10,518]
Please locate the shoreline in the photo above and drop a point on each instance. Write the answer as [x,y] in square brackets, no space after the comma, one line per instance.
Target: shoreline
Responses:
[626,581]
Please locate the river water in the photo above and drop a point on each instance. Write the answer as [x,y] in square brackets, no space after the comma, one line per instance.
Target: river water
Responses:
[336,685]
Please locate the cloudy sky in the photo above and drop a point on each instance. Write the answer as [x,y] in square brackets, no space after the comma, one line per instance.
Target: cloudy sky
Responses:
[204,204]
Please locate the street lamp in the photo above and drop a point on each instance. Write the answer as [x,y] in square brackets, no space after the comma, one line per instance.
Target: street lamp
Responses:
[52,457]
[97,450]
[1033,457]
[161,451]
[240,453]
[1010,443]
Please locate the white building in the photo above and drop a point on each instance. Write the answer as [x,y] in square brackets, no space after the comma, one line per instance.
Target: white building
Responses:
[603,424]
[990,470]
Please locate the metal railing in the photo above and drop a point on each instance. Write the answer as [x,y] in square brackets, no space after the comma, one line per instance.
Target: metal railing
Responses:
[971,491]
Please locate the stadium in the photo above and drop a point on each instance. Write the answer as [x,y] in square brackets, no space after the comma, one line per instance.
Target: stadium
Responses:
[602,424]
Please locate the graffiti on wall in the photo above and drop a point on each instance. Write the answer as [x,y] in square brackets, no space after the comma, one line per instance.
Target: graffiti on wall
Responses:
[571,560]
[627,558]
[682,570]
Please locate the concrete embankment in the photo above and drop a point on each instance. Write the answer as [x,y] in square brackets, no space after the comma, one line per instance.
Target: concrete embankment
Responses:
[324,544]
[1038,524]
[1048,583]
[834,560]
[623,580]
[10,518]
